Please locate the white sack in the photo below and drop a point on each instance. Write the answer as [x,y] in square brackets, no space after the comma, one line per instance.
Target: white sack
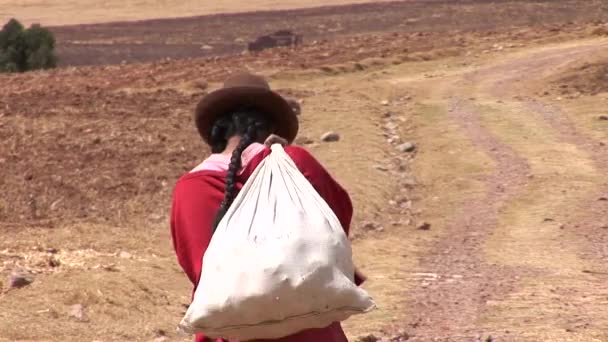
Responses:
[278,263]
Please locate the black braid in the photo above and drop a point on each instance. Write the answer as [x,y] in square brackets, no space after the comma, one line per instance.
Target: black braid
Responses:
[255,128]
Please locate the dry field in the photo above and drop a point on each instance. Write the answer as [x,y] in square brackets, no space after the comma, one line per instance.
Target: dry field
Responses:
[508,175]
[72,12]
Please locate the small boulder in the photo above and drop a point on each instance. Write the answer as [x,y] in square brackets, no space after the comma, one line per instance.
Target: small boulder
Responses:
[369,338]
[603,117]
[77,312]
[18,280]
[407,147]
[424,226]
[381,168]
[302,140]
[330,137]
[125,255]
[200,84]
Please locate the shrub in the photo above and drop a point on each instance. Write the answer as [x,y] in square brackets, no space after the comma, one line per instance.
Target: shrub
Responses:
[26,49]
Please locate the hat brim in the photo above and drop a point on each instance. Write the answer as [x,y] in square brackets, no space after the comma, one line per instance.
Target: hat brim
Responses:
[225,100]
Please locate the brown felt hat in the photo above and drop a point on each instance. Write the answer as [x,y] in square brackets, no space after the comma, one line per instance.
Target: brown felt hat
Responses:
[246,90]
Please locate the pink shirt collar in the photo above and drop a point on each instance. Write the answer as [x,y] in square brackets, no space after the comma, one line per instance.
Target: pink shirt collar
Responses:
[220,162]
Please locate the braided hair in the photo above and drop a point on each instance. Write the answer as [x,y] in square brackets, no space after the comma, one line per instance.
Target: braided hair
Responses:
[251,126]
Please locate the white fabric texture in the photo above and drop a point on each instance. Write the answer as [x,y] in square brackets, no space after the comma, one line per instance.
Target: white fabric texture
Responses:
[278,263]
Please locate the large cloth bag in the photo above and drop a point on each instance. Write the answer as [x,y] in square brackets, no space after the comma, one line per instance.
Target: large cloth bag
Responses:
[278,263]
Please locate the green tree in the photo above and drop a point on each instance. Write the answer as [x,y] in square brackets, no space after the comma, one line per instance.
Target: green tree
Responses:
[26,49]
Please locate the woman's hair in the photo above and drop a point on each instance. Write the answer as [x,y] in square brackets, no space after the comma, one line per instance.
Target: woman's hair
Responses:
[249,124]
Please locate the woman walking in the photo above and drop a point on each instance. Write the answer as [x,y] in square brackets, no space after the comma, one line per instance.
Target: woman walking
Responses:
[239,122]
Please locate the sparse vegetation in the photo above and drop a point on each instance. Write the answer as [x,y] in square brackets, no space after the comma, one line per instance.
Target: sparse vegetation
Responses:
[26,49]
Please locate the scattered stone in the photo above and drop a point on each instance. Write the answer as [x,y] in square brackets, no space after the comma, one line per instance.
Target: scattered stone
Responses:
[407,147]
[52,250]
[368,338]
[206,47]
[330,137]
[385,103]
[371,226]
[110,268]
[18,280]
[302,140]
[125,255]
[54,262]
[424,226]
[548,219]
[393,140]
[77,312]
[161,339]
[387,114]
[603,117]
[400,337]
[200,84]
[380,168]
[603,198]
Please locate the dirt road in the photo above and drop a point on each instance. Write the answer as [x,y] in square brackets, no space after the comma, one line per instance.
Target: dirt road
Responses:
[518,249]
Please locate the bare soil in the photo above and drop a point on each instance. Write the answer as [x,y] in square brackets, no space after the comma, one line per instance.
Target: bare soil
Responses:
[507,181]
[226,34]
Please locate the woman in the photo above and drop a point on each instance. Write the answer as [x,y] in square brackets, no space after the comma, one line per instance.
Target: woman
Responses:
[240,121]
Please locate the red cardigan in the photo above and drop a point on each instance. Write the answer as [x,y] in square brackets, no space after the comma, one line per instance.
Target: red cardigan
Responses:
[197,197]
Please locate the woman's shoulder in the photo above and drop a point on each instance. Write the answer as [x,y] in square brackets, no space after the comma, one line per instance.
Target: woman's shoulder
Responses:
[202,180]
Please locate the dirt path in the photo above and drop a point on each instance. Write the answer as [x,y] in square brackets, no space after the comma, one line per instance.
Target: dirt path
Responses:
[506,244]
[522,257]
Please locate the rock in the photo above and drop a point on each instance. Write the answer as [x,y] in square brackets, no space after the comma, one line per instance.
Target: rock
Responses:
[393,140]
[424,226]
[54,262]
[381,168]
[200,84]
[239,40]
[368,338]
[603,117]
[385,103]
[302,140]
[407,147]
[400,337]
[371,226]
[206,47]
[603,198]
[18,280]
[330,137]
[125,255]
[161,339]
[77,312]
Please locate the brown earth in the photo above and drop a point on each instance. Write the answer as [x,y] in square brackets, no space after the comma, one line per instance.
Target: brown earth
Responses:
[223,34]
[509,180]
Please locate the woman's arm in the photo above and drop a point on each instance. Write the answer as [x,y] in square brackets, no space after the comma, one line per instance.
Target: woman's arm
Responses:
[192,213]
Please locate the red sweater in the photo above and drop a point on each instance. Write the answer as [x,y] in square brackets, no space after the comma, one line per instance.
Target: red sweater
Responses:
[197,197]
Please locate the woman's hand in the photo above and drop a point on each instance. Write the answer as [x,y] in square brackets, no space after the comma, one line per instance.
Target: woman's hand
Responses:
[275,139]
